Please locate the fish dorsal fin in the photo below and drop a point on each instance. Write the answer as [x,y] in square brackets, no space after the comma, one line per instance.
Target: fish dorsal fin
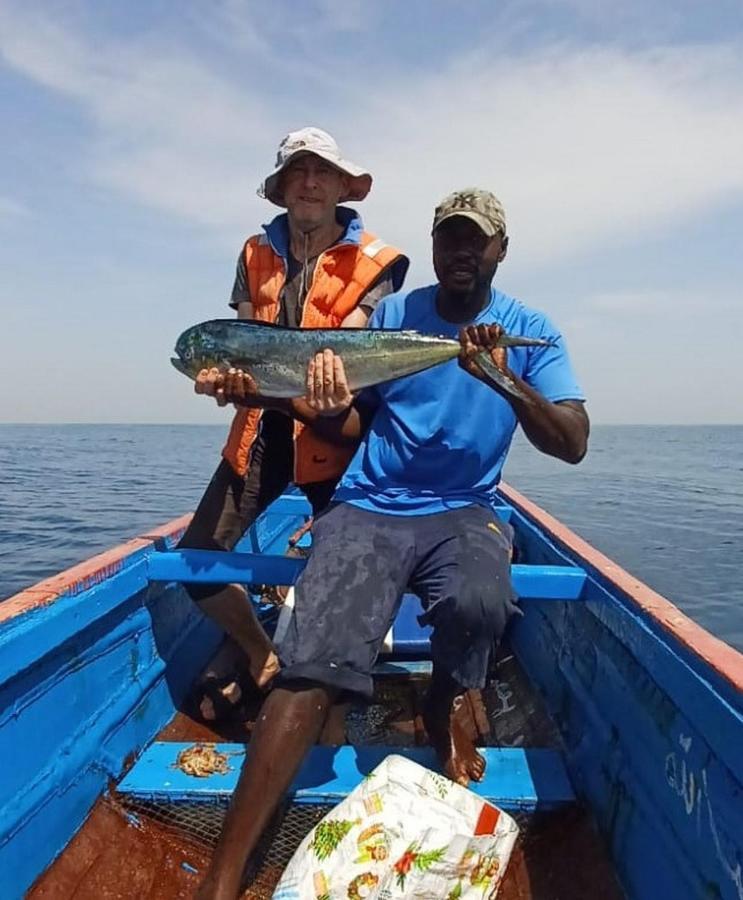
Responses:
[262,324]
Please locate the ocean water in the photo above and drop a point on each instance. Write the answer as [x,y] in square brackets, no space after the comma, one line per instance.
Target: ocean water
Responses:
[666,503]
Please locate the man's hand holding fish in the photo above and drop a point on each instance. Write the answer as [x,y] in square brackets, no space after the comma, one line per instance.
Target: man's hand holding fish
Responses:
[328,393]
[232,386]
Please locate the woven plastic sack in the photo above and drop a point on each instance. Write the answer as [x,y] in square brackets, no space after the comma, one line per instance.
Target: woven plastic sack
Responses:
[403,832]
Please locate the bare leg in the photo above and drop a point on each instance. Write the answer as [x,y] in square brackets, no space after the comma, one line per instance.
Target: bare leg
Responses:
[289,723]
[232,610]
[334,730]
[442,717]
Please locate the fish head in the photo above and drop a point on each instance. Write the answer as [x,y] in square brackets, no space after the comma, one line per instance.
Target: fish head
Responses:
[200,347]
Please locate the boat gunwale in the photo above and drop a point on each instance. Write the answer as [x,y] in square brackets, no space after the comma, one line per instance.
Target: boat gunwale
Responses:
[724,659]
[84,575]
[721,657]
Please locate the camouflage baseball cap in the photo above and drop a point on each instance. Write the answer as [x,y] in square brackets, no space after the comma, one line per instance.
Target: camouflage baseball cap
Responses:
[484,208]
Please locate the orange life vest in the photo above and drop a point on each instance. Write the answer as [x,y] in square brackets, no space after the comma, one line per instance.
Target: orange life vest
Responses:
[343,274]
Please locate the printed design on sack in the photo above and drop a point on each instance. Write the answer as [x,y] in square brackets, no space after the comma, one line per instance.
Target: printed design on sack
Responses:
[414,858]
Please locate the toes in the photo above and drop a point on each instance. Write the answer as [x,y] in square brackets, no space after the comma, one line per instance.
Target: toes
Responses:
[268,671]
[232,693]
[206,708]
[477,767]
[457,773]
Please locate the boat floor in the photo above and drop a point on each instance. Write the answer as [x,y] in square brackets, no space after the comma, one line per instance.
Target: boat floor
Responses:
[125,850]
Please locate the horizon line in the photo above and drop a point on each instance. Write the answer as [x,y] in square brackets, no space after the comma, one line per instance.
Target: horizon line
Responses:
[594,424]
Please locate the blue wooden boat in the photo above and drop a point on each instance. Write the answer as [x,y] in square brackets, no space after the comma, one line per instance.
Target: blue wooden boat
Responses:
[614,725]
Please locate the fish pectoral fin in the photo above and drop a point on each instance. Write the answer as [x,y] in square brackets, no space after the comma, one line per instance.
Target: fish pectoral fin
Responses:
[492,371]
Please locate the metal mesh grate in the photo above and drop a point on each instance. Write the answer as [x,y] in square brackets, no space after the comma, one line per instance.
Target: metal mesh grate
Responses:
[200,824]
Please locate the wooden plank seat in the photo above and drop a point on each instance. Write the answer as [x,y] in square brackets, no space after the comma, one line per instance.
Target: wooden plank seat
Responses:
[204,566]
[407,639]
[296,504]
[516,779]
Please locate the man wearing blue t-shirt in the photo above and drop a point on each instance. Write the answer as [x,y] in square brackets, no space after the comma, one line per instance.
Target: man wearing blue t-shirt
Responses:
[414,510]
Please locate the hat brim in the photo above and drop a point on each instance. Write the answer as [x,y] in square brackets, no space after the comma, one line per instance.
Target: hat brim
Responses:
[359,183]
[485,225]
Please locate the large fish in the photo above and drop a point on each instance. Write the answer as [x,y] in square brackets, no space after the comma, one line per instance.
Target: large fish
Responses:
[277,358]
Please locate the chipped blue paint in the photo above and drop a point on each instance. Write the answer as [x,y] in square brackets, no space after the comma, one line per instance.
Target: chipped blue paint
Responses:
[85,681]
[653,738]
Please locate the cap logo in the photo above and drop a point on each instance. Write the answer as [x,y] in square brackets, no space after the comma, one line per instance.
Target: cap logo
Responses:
[464,201]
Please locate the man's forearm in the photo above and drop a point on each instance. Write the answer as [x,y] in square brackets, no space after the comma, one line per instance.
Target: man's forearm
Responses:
[557,429]
[344,429]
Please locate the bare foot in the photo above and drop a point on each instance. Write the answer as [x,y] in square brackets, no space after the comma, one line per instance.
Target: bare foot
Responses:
[264,665]
[220,697]
[457,754]
[233,611]
[262,659]
[229,682]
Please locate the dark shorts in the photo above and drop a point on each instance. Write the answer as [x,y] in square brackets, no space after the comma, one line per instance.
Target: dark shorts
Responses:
[232,502]
[457,562]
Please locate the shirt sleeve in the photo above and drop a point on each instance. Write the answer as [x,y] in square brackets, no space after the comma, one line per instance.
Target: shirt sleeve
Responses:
[380,288]
[386,314]
[240,289]
[548,369]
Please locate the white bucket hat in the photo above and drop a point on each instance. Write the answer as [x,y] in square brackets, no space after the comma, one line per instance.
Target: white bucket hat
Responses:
[319,142]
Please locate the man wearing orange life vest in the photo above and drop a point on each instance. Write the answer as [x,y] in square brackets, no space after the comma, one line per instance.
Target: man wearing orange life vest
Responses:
[313,266]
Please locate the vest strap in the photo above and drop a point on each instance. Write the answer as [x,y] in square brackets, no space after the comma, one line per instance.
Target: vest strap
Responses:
[373,247]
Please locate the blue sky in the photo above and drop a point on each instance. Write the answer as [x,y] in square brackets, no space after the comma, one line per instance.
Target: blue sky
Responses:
[135,134]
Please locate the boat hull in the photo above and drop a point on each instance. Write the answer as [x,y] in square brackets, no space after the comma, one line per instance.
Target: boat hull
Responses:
[649,706]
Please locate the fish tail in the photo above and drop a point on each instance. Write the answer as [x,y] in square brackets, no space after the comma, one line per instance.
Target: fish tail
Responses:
[494,374]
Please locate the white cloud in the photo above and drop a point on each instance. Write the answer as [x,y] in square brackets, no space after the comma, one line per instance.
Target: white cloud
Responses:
[588,147]
[11,210]
[585,146]
[167,131]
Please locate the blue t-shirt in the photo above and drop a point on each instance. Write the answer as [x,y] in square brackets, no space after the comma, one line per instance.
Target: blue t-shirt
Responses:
[438,439]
